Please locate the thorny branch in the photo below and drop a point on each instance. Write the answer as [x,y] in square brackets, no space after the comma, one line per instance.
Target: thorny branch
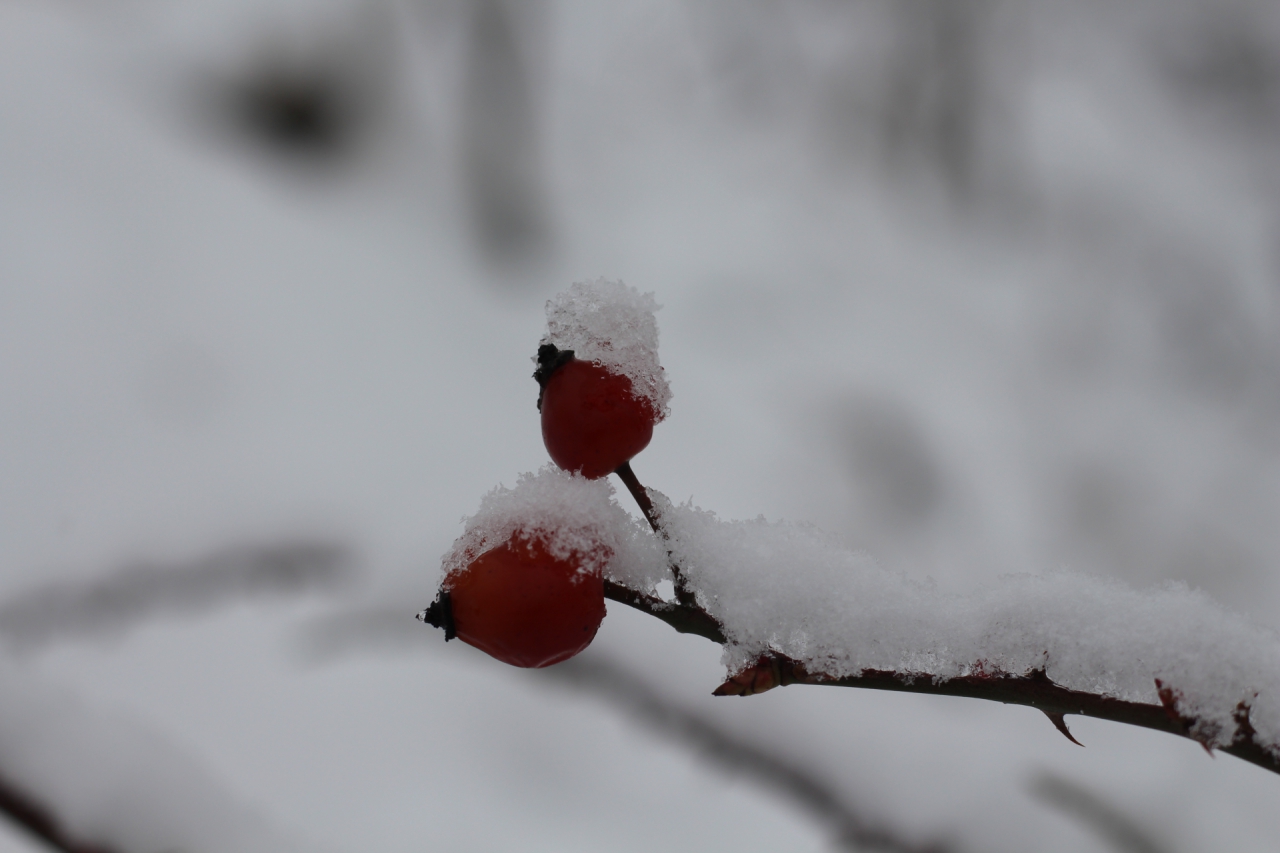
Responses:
[1033,688]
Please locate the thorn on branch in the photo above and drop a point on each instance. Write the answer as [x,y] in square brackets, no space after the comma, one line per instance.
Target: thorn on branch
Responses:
[1060,723]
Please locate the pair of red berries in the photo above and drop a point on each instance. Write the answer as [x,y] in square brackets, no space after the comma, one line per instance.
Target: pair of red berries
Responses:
[518,602]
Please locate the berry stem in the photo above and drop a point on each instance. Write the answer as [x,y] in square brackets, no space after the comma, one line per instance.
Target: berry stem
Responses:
[683,594]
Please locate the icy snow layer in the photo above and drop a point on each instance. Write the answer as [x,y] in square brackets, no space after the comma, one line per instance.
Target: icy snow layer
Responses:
[614,325]
[792,589]
[573,516]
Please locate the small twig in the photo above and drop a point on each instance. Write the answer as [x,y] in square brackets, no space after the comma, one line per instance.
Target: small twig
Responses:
[683,594]
[687,619]
[641,495]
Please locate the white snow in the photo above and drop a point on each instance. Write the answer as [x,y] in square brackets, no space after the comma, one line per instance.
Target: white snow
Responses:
[790,588]
[614,325]
[573,517]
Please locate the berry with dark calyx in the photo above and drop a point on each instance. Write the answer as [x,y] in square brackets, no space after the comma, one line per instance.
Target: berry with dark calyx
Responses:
[521,604]
[592,419]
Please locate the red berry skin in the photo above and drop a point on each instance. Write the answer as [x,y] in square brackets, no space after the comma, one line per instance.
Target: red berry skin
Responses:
[523,606]
[592,421]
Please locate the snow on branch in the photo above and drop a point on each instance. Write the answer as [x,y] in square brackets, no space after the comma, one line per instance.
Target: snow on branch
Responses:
[791,605]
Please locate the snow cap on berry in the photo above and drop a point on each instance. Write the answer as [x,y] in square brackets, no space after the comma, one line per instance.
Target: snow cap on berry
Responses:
[575,518]
[614,325]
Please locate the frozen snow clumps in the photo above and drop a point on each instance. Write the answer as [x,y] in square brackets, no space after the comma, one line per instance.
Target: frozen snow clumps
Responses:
[614,325]
[571,515]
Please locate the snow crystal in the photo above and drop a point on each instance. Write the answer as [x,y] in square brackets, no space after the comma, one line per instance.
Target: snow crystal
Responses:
[790,588]
[573,517]
[614,325]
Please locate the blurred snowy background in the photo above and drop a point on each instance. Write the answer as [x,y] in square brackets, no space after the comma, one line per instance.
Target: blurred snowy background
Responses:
[982,287]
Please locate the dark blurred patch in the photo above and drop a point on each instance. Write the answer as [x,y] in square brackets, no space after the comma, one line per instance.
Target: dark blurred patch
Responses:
[933,89]
[1121,831]
[367,629]
[1225,61]
[295,110]
[502,167]
[1214,346]
[41,822]
[896,475]
[309,97]
[137,592]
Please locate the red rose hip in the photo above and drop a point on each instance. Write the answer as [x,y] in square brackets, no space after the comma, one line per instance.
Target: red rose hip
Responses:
[592,420]
[522,605]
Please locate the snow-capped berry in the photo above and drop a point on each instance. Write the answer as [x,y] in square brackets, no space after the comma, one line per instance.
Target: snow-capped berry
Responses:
[521,604]
[613,325]
[592,420]
[537,555]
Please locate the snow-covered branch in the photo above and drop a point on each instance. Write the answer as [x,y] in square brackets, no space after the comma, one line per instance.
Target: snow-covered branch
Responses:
[792,605]
[1032,687]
